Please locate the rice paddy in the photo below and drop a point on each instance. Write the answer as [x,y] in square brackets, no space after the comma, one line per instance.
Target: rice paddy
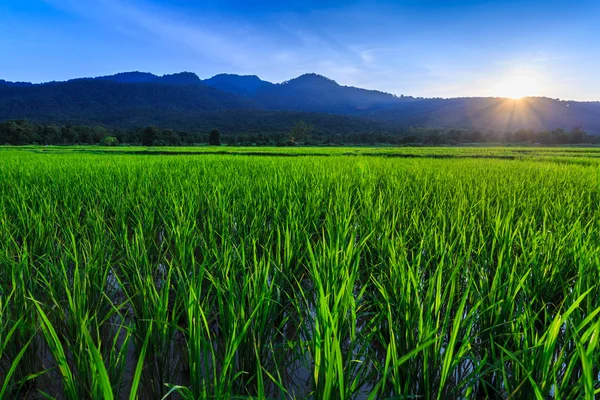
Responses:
[430,273]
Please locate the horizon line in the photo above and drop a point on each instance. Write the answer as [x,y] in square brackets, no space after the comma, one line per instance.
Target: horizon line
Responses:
[399,96]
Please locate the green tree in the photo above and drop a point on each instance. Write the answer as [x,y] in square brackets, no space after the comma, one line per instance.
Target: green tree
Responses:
[68,134]
[300,132]
[149,136]
[214,137]
[559,136]
[84,135]
[98,133]
[50,134]
[578,135]
[109,141]
[11,132]
[172,138]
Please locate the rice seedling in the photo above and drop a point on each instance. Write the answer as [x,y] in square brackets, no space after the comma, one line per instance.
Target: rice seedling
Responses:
[343,274]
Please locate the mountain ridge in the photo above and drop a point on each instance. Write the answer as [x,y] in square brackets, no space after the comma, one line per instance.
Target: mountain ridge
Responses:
[184,96]
[114,77]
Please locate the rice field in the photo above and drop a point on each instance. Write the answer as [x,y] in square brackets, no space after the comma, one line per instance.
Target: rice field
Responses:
[420,273]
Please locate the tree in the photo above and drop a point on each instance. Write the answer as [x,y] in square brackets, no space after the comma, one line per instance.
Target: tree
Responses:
[149,136]
[214,137]
[50,134]
[68,134]
[523,136]
[559,136]
[172,138]
[11,132]
[109,141]
[83,135]
[578,135]
[300,132]
[98,133]
[455,135]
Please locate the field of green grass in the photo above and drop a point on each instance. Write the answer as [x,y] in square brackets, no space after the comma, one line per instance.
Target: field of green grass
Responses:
[308,273]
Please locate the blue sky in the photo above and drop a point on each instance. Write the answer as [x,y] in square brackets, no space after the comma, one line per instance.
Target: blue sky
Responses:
[421,48]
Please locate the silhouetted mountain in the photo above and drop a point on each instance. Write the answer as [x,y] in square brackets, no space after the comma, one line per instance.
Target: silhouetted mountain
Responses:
[112,103]
[182,78]
[129,77]
[309,93]
[7,83]
[311,81]
[246,85]
[183,99]
[316,93]
[493,114]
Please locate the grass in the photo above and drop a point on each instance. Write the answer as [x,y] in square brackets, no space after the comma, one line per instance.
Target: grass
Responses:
[326,277]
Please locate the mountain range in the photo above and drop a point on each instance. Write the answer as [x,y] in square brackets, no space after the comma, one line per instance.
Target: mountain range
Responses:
[184,101]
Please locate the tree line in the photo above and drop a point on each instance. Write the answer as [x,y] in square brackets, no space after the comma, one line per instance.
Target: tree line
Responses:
[23,132]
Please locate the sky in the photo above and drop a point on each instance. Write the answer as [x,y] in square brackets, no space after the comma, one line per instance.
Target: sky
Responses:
[426,48]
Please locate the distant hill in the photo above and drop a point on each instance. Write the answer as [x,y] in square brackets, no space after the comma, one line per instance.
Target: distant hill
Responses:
[7,83]
[184,100]
[129,77]
[245,85]
[309,93]
[113,103]
[316,93]
[182,78]
[494,114]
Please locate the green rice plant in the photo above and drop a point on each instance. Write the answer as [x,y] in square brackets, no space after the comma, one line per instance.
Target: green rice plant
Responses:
[10,362]
[347,273]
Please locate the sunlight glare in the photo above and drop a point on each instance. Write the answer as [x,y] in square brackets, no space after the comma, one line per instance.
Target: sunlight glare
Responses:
[518,86]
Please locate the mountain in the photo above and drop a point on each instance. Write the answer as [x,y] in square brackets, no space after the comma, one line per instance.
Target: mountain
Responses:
[184,100]
[7,83]
[308,93]
[182,78]
[114,103]
[244,85]
[493,114]
[128,77]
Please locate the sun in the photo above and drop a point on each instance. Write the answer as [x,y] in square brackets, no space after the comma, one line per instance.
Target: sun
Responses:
[518,86]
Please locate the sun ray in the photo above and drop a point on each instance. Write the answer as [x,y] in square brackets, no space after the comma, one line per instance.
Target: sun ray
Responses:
[518,86]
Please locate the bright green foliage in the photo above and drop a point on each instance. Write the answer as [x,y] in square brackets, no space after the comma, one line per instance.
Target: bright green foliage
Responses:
[109,141]
[324,277]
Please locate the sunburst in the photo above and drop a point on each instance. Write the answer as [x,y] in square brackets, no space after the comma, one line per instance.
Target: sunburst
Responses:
[518,86]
